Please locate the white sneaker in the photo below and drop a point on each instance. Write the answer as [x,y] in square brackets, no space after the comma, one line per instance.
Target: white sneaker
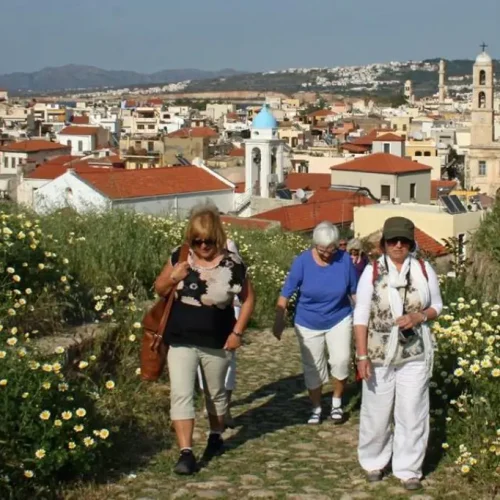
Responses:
[337,415]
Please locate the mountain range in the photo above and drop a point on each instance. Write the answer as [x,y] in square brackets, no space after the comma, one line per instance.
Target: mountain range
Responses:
[73,76]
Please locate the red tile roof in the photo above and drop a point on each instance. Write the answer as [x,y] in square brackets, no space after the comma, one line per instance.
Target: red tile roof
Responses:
[322,112]
[73,130]
[32,146]
[248,222]
[365,140]
[62,159]
[306,216]
[237,152]
[428,244]
[119,183]
[80,120]
[382,163]
[447,186]
[354,148]
[308,182]
[50,171]
[195,132]
[389,138]
[322,195]
[239,187]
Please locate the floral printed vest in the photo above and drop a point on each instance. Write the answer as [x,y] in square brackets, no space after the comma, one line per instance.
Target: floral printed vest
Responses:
[381,322]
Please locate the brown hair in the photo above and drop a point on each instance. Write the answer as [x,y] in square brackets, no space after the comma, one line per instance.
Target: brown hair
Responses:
[205,223]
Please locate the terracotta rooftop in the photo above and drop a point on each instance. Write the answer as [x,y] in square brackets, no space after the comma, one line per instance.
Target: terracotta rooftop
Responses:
[428,244]
[237,152]
[239,187]
[382,163]
[354,148]
[445,186]
[75,130]
[306,216]
[308,182]
[322,112]
[248,222]
[32,146]
[390,137]
[50,171]
[80,120]
[195,132]
[143,183]
[322,195]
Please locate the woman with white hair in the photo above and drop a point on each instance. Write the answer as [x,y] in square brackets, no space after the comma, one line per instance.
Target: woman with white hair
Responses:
[325,281]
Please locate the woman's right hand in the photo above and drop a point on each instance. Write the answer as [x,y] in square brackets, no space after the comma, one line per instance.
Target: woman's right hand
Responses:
[180,271]
[365,369]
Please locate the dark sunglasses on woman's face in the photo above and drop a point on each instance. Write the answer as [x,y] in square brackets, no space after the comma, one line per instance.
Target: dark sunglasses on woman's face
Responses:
[198,242]
[394,241]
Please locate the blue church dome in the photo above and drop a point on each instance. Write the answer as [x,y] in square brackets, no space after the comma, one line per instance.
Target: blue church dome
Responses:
[264,119]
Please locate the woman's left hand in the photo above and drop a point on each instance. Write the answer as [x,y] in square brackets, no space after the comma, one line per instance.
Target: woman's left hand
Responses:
[233,342]
[408,321]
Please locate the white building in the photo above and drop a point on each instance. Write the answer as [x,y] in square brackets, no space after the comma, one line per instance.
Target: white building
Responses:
[83,139]
[28,153]
[386,176]
[159,191]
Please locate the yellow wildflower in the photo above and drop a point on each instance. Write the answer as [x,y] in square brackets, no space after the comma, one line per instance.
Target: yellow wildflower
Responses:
[66,415]
[40,453]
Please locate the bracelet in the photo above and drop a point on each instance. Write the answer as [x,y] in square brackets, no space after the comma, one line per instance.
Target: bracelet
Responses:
[237,334]
[363,357]
[424,317]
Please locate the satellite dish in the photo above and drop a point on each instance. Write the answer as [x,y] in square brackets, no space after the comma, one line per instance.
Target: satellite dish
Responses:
[300,194]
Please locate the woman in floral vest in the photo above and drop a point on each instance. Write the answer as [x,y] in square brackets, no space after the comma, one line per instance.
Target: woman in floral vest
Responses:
[397,296]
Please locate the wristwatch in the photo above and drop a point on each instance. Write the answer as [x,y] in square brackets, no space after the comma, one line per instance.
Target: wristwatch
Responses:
[237,334]
[424,316]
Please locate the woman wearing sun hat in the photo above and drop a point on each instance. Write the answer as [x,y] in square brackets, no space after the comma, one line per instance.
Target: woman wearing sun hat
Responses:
[397,296]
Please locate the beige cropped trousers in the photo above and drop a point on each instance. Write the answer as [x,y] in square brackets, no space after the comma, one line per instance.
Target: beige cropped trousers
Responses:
[183,362]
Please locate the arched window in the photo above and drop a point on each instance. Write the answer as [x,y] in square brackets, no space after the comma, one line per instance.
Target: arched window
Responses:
[427,153]
[418,153]
[482,77]
[482,100]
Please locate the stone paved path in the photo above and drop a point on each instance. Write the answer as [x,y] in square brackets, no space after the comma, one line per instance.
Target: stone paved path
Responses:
[272,453]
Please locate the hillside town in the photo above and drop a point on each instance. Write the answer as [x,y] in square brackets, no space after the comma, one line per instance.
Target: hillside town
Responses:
[286,162]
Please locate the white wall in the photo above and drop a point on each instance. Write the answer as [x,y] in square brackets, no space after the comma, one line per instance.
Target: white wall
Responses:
[68,191]
[373,182]
[79,143]
[26,190]
[395,148]
[422,181]
[178,205]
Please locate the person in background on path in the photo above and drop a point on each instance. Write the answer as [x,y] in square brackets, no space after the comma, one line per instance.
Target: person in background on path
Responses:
[202,329]
[326,281]
[230,381]
[397,297]
[358,257]
[342,244]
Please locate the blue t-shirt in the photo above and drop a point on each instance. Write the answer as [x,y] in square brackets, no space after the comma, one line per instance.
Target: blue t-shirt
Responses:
[323,291]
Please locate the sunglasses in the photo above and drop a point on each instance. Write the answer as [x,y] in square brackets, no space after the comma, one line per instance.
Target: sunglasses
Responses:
[403,241]
[198,242]
[342,245]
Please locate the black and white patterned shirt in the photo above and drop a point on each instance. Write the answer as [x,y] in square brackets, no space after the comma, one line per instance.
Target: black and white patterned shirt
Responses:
[202,313]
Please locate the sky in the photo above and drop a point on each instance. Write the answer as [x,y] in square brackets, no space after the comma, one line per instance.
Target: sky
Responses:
[250,35]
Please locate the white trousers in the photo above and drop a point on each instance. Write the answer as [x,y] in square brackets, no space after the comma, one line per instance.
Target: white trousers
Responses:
[401,393]
[313,346]
[230,381]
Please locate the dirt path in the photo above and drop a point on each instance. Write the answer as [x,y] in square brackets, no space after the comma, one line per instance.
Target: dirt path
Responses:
[272,453]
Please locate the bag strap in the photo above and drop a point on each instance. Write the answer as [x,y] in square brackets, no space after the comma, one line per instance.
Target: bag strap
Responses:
[169,302]
[424,269]
[375,271]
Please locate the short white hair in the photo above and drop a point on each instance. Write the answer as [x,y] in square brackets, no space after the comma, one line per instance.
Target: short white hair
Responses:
[326,234]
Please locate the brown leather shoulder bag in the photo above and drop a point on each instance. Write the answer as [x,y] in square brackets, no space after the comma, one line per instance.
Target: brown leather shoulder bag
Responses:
[153,349]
